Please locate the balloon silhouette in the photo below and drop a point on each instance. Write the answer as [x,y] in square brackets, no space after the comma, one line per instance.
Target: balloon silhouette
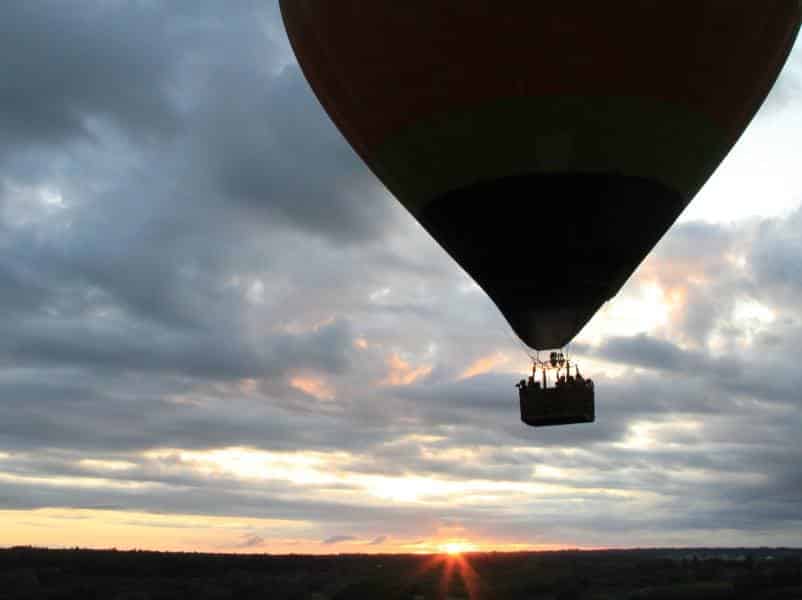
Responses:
[547,146]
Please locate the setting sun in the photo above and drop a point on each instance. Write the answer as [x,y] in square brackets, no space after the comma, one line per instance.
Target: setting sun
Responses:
[454,548]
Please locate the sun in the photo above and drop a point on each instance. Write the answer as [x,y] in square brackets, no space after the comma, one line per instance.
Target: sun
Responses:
[454,548]
[453,562]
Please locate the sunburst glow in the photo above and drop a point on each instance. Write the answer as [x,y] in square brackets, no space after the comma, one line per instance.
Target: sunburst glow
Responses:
[455,548]
[454,570]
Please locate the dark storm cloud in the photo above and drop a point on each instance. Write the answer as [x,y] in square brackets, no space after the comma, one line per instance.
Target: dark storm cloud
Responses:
[61,68]
[645,351]
[776,256]
[649,352]
[458,402]
[242,125]
[339,198]
[21,291]
[125,416]
[142,245]
[141,348]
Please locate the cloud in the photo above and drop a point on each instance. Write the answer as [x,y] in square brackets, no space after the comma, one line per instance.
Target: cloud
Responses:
[94,67]
[251,541]
[119,344]
[377,541]
[483,365]
[775,256]
[337,539]
[401,372]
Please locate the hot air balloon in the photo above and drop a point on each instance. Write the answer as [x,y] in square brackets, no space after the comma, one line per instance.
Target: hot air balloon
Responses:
[577,130]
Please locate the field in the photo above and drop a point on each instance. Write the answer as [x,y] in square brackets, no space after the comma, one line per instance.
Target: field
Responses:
[769,574]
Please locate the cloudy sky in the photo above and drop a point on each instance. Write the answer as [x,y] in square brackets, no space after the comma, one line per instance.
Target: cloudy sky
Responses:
[219,332]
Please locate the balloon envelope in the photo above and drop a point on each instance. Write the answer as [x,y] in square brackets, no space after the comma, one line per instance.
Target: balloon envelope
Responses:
[547,146]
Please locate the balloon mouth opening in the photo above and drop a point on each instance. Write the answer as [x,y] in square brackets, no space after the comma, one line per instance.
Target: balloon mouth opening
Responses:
[545,329]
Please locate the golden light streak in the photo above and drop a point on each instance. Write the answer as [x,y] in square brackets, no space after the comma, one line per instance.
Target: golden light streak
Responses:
[486,364]
[304,468]
[334,475]
[649,435]
[402,373]
[106,465]
[418,438]
[313,386]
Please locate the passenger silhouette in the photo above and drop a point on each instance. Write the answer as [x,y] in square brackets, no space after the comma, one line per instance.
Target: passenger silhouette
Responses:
[569,401]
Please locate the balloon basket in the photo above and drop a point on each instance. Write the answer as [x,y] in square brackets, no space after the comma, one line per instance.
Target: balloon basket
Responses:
[557,406]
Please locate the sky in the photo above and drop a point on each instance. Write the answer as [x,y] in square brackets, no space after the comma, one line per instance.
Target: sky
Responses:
[219,332]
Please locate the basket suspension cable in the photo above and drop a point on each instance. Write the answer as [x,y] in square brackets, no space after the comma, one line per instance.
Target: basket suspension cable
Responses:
[562,362]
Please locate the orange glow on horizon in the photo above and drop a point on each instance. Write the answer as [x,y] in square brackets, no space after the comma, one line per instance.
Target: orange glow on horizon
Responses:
[124,530]
[456,548]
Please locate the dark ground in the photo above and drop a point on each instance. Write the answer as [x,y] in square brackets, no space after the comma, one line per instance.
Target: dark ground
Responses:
[767,574]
